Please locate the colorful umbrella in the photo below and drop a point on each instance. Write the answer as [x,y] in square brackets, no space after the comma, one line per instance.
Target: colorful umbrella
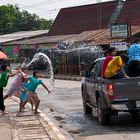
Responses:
[3,55]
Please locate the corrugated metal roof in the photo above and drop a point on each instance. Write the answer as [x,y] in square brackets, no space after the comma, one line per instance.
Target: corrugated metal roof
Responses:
[42,40]
[84,36]
[21,35]
[100,37]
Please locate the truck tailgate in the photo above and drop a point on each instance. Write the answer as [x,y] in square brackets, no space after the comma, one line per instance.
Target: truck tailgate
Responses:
[126,89]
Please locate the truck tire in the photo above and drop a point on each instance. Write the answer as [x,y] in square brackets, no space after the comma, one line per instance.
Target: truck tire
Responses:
[103,115]
[87,109]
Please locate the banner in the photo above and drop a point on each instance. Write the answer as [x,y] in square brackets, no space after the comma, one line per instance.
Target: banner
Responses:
[12,51]
[120,46]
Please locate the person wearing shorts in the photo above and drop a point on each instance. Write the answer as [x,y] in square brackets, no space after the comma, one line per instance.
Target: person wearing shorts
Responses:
[23,89]
[33,84]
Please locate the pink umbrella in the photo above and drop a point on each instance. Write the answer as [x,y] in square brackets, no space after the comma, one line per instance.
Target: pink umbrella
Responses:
[3,55]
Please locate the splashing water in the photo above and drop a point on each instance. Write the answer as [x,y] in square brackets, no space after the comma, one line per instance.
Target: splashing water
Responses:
[41,62]
[86,51]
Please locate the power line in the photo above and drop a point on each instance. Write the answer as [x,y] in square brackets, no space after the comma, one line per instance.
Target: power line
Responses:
[40,4]
[53,1]
[52,11]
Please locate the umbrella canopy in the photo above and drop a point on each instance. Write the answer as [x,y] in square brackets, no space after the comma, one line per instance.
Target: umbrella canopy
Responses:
[3,55]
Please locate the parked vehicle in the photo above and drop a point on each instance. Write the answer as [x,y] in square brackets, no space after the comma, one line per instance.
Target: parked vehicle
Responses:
[109,96]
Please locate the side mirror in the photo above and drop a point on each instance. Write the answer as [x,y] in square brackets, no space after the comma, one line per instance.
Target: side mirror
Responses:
[83,70]
[84,73]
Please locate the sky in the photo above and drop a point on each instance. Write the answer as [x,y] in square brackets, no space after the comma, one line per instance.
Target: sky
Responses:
[47,9]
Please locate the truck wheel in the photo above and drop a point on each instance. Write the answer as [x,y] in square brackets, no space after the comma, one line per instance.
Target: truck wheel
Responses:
[87,109]
[103,115]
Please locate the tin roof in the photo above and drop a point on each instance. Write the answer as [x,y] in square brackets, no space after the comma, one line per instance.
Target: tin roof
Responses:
[21,35]
[100,37]
[42,40]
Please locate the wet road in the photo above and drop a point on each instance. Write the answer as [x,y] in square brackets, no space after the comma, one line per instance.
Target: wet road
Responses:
[64,107]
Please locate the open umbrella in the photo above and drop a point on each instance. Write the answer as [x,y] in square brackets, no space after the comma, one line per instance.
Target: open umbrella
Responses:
[3,55]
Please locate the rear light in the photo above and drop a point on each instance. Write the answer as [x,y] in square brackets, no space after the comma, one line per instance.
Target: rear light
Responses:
[110,91]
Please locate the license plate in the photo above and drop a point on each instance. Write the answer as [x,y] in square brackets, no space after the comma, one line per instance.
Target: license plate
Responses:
[138,103]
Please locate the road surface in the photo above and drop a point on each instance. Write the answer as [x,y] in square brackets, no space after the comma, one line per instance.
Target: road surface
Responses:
[64,107]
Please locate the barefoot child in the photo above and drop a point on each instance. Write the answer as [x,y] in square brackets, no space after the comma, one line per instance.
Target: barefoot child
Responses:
[23,89]
[33,84]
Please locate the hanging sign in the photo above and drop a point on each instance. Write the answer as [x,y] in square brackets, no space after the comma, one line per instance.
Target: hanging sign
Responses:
[120,46]
[119,31]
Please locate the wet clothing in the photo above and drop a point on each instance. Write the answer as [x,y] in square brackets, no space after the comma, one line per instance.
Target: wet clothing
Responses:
[18,80]
[104,64]
[3,83]
[113,67]
[3,79]
[134,60]
[33,84]
[23,93]
[134,52]
[15,85]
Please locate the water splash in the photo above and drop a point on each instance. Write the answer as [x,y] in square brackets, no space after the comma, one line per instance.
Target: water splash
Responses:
[86,51]
[41,62]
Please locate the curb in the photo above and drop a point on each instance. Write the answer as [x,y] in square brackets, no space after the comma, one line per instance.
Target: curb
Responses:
[56,131]
[65,77]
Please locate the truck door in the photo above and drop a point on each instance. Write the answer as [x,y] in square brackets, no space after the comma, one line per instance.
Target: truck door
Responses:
[91,82]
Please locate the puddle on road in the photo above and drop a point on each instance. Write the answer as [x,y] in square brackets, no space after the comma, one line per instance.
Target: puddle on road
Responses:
[59,118]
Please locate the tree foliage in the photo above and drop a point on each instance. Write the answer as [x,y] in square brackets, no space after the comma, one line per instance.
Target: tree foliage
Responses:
[13,20]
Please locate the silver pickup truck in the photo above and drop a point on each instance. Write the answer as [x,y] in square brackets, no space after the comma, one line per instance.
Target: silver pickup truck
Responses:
[109,96]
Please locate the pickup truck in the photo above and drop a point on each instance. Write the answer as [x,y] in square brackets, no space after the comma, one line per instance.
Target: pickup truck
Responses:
[108,96]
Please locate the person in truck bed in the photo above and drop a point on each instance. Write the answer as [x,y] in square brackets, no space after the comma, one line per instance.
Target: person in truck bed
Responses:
[110,53]
[115,68]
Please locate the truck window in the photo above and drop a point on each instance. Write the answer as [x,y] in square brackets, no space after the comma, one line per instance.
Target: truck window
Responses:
[96,70]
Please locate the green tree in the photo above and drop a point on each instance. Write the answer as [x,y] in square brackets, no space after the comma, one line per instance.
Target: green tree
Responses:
[12,20]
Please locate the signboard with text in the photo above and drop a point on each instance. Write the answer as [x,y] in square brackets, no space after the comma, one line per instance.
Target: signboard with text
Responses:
[120,46]
[119,31]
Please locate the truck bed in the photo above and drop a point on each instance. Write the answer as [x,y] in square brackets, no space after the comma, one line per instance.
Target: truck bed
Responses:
[126,89]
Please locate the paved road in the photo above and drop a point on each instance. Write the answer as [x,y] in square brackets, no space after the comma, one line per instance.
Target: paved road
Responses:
[64,107]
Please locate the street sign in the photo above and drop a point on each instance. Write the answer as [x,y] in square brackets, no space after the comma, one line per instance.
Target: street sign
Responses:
[119,31]
[120,46]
